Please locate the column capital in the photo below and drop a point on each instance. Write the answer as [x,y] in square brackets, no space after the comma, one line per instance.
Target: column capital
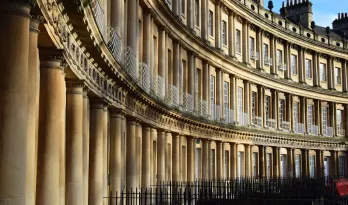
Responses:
[17,7]
[75,87]
[98,103]
[52,58]
[117,112]
[35,21]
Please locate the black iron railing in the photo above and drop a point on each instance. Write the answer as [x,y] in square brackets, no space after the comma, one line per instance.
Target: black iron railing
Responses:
[242,191]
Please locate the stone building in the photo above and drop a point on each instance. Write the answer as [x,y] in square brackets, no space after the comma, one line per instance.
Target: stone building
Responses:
[97,95]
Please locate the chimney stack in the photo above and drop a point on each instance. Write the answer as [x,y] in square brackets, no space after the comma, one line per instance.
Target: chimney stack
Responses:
[341,23]
[299,9]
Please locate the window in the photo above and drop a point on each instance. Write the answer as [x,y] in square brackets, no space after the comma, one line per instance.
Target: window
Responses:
[240,105]
[265,53]
[251,46]
[240,164]
[212,96]
[341,162]
[308,68]
[310,118]
[324,118]
[311,166]
[337,76]
[253,105]
[281,111]
[197,12]
[224,33]
[267,106]
[238,41]
[339,121]
[295,120]
[210,23]
[183,2]
[269,165]
[226,104]
[297,166]
[279,57]
[294,64]
[254,164]
[322,68]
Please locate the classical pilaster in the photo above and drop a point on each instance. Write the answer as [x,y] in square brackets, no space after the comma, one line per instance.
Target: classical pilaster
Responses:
[305,162]
[276,161]
[85,142]
[191,73]
[161,151]
[51,138]
[117,17]
[14,52]
[247,103]
[33,112]
[146,157]
[148,38]
[139,137]
[273,55]
[204,22]
[330,73]
[96,152]
[176,157]
[287,60]
[231,34]
[74,142]
[106,142]
[344,76]
[219,91]
[245,42]
[262,161]
[233,96]
[190,15]
[259,48]
[176,64]
[183,154]
[162,58]
[206,85]
[131,154]
[116,164]
[132,29]
[319,163]
[301,65]
[218,24]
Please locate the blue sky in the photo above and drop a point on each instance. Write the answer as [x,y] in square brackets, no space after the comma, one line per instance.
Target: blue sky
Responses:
[324,11]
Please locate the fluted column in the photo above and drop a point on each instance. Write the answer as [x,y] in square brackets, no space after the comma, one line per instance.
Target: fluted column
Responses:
[233,160]
[51,129]
[205,159]
[74,143]
[13,101]
[33,112]
[161,151]
[190,159]
[115,150]
[176,157]
[85,141]
[146,158]
[96,152]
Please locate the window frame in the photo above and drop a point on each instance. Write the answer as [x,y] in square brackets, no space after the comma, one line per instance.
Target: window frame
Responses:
[308,64]
[238,46]
[211,23]
[293,60]
[196,12]
[322,72]
[338,79]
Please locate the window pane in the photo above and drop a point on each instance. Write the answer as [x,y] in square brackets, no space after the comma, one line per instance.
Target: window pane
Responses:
[294,64]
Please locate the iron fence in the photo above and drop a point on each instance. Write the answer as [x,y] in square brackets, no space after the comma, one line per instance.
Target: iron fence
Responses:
[241,191]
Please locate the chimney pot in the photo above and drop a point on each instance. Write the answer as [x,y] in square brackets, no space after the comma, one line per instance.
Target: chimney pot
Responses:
[339,16]
[345,15]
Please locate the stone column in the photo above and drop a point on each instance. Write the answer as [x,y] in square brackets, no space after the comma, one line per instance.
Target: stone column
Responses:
[117,17]
[274,68]
[168,158]
[176,65]
[190,159]
[162,58]
[204,22]
[344,76]
[219,160]
[146,158]
[176,157]
[233,96]
[275,162]
[231,31]
[287,73]
[301,66]
[74,143]
[246,101]
[247,160]
[115,150]
[262,161]
[51,129]
[139,137]
[153,160]
[85,141]
[205,159]
[131,165]
[132,29]
[218,25]
[290,162]
[191,73]
[206,88]
[161,151]
[176,7]
[184,158]
[259,48]
[190,15]
[33,112]
[106,142]
[330,73]
[319,163]
[13,101]
[95,187]
[148,38]
[334,164]
[304,154]
[245,43]
[233,160]
[219,92]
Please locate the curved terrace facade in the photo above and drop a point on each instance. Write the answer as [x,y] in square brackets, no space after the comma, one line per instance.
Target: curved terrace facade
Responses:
[98,95]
